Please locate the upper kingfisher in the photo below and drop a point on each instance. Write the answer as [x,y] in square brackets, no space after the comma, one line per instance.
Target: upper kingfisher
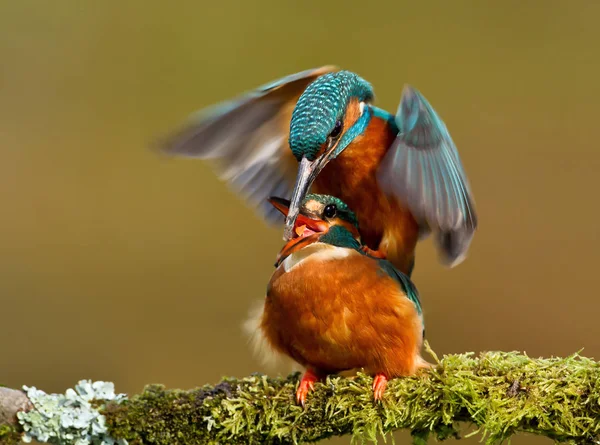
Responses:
[332,307]
[400,173]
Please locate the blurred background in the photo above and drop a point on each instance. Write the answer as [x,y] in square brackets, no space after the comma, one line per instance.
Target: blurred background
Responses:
[120,265]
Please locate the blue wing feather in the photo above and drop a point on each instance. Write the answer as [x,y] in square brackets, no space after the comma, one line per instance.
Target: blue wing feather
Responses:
[423,170]
[404,281]
[247,139]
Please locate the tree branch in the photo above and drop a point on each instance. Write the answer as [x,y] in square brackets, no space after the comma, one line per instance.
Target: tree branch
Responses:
[500,393]
[11,402]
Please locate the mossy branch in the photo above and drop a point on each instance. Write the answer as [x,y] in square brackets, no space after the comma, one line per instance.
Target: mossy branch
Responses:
[500,393]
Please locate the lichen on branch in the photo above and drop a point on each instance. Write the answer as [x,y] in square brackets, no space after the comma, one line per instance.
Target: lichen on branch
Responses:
[72,417]
[499,393]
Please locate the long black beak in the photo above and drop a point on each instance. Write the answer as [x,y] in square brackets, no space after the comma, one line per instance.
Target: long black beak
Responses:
[280,204]
[307,172]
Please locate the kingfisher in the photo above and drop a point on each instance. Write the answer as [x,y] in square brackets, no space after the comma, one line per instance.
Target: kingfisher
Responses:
[332,307]
[319,131]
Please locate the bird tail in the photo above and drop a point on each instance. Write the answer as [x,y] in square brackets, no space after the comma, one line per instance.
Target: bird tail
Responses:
[261,348]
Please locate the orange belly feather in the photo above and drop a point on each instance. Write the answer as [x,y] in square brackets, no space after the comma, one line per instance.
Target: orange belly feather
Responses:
[342,314]
[384,223]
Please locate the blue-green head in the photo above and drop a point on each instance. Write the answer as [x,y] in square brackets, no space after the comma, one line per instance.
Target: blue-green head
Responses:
[318,118]
[329,114]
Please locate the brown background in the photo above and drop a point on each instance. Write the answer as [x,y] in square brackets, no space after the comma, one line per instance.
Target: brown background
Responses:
[119,265]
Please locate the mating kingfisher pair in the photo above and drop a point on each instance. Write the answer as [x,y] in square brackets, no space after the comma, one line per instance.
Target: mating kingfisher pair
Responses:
[341,297]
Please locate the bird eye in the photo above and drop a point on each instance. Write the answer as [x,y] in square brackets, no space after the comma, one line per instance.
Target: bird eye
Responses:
[337,130]
[330,211]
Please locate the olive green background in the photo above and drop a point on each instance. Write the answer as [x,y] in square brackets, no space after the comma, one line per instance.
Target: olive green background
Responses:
[117,264]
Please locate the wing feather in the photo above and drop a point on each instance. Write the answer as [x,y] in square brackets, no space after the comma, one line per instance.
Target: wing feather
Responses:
[247,140]
[423,170]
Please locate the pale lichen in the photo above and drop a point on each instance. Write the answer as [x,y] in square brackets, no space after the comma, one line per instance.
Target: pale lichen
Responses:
[72,418]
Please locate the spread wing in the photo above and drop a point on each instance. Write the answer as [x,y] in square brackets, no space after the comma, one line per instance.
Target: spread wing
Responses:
[423,170]
[247,140]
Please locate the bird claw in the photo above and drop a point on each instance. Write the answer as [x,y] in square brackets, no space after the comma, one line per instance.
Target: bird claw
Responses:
[373,253]
[306,384]
[379,385]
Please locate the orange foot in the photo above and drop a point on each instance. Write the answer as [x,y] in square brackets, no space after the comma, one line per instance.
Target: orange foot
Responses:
[306,384]
[379,384]
[373,253]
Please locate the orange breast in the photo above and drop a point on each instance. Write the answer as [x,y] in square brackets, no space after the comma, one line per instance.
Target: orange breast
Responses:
[384,223]
[342,314]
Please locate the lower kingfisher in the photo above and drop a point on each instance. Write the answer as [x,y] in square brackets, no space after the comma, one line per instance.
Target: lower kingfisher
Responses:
[400,173]
[332,307]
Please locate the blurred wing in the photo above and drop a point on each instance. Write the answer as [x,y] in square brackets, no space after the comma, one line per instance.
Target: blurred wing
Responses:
[423,170]
[247,139]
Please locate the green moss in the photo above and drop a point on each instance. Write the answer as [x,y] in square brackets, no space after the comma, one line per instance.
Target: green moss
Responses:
[500,393]
[9,435]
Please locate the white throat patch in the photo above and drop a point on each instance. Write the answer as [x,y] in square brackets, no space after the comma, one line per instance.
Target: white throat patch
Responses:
[315,252]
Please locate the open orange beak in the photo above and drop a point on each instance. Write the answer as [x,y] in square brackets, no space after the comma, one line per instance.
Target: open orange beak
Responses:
[306,229]
[315,225]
